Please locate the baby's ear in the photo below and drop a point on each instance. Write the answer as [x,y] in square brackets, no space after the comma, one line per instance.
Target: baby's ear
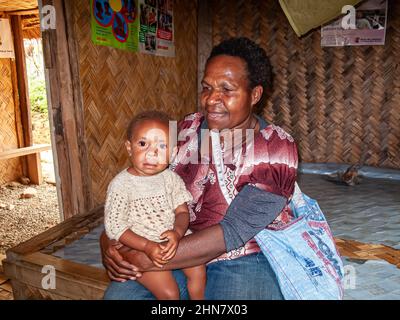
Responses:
[128,147]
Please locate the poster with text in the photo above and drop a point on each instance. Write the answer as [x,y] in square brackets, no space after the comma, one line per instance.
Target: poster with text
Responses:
[369,27]
[156,35]
[115,23]
[6,40]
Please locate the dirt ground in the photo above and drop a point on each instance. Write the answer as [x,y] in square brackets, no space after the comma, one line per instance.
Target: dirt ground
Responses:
[23,218]
[28,217]
[40,128]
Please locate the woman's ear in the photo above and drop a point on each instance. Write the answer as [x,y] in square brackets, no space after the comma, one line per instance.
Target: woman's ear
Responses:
[256,94]
[128,147]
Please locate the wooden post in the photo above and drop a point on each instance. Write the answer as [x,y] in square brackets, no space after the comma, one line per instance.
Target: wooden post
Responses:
[18,118]
[16,26]
[23,107]
[204,34]
[66,111]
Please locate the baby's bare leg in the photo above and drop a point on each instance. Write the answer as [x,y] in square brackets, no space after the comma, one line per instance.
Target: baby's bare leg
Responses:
[161,284]
[196,281]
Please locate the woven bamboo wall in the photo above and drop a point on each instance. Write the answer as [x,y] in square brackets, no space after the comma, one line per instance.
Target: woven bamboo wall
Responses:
[117,84]
[9,169]
[341,104]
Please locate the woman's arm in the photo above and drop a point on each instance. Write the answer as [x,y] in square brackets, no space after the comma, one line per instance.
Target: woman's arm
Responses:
[123,263]
[193,250]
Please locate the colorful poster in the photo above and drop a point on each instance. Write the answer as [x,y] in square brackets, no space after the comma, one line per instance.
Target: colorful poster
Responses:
[115,23]
[6,40]
[156,34]
[363,25]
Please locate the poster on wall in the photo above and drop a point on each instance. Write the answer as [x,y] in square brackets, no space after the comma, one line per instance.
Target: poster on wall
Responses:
[115,23]
[156,35]
[369,27]
[6,40]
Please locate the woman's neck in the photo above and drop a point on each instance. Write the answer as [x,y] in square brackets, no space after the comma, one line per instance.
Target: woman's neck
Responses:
[251,122]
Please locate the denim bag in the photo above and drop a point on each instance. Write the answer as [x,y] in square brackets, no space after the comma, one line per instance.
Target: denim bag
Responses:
[303,253]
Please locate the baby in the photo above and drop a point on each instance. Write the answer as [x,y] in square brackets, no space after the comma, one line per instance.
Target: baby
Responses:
[146,206]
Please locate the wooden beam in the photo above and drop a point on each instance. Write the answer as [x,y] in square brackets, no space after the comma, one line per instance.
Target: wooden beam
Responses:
[66,111]
[79,109]
[18,118]
[27,12]
[25,108]
[204,42]
[35,168]
[13,153]
[73,280]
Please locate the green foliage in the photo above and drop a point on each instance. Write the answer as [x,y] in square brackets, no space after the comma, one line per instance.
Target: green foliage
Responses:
[37,96]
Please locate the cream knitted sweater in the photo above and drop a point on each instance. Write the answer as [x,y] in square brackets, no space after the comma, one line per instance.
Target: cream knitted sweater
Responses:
[144,204]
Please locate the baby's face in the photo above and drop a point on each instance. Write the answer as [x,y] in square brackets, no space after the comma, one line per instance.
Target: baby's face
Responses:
[148,149]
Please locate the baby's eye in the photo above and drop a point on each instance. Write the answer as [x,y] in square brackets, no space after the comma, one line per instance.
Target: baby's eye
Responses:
[142,143]
[163,146]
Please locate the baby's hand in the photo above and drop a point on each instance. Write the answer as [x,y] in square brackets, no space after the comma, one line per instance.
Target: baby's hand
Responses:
[169,249]
[154,251]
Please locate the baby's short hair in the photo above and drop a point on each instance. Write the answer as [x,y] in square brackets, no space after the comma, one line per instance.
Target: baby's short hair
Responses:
[147,115]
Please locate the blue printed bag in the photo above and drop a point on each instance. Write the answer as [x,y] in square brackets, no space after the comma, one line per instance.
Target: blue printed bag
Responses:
[303,253]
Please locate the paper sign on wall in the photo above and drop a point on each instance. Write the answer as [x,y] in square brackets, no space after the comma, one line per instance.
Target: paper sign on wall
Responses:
[137,25]
[6,40]
[115,23]
[363,25]
[156,34]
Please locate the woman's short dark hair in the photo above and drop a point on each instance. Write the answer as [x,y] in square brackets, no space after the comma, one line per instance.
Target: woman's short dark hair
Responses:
[258,65]
[147,115]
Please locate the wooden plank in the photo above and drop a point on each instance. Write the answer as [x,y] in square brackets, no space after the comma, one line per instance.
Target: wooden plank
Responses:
[70,152]
[18,117]
[24,12]
[35,168]
[79,108]
[73,280]
[16,26]
[22,291]
[13,153]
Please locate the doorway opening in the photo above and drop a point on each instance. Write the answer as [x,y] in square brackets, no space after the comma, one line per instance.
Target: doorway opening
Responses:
[29,201]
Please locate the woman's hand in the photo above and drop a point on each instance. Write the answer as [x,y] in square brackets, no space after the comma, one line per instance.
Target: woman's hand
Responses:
[169,250]
[118,269]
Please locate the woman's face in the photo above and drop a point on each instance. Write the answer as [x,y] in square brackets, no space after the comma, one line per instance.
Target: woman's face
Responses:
[226,97]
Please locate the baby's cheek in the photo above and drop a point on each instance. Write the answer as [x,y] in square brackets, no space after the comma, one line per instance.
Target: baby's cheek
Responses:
[163,158]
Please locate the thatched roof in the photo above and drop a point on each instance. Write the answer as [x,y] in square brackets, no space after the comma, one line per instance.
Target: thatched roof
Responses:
[29,12]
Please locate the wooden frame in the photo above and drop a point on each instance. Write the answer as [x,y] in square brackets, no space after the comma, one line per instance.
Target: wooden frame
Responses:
[66,112]
[25,262]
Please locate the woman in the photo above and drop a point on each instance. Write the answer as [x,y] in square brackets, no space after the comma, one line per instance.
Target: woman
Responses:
[233,200]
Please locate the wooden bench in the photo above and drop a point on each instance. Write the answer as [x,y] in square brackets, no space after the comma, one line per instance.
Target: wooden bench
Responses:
[25,263]
[28,263]
[33,159]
